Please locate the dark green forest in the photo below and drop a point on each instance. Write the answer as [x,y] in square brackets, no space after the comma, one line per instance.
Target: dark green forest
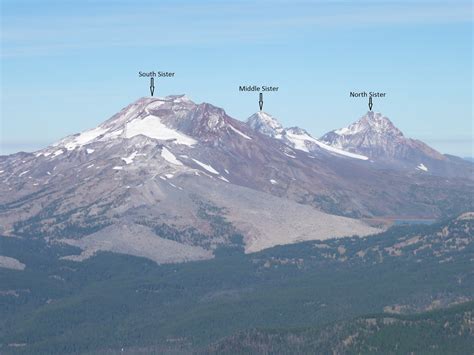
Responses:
[326,289]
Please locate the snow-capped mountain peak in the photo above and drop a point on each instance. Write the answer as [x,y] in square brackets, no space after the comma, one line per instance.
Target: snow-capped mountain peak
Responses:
[375,136]
[174,121]
[173,118]
[295,137]
[148,106]
[373,122]
[147,117]
[172,161]
[266,124]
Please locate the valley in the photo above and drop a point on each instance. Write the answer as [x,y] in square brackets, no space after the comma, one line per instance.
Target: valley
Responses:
[113,301]
[236,177]
[173,227]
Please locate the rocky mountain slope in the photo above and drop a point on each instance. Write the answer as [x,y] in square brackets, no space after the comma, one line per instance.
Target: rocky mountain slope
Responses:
[173,180]
[295,137]
[375,136]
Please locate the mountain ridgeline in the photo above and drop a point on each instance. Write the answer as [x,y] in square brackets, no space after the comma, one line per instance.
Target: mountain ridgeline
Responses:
[175,228]
[172,180]
[377,137]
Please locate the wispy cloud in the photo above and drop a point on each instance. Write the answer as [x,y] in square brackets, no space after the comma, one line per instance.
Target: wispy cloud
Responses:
[74,26]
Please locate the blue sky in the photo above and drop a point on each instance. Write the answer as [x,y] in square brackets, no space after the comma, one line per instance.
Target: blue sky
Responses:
[69,65]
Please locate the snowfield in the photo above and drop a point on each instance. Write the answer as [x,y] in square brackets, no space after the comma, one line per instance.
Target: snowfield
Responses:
[129,159]
[239,132]
[299,141]
[207,167]
[169,157]
[422,167]
[85,137]
[151,126]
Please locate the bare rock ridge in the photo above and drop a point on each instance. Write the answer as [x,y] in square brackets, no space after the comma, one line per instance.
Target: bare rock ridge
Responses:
[376,136]
[173,180]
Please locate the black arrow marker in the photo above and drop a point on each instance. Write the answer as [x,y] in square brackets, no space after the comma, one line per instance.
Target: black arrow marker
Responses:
[260,102]
[370,103]
[152,86]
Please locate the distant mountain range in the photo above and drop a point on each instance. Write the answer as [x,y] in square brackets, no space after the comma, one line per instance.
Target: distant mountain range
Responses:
[172,180]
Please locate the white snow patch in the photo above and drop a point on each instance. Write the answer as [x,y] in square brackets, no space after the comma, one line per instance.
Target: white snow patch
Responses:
[213,120]
[223,179]
[58,152]
[23,173]
[341,152]
[288,155]
[2,171]
[169,157]
[169,176]
[113,134]
[89,151]
[155,104]
[239,132]
[299,140]
[343,131]
[207,167]
[273,182]
[90,166]
[85,137]
[422,166]
[151,126]
[117,167]
[226,171]
[181,99]
[129,159]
